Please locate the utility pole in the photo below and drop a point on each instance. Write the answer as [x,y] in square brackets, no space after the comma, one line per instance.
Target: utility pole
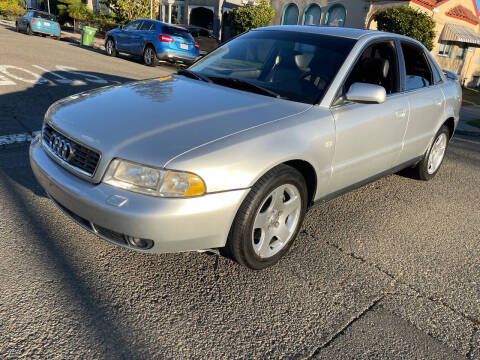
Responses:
[151,9]
[48,4]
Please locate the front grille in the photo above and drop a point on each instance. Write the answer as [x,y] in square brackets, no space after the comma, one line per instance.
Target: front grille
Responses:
[79,157]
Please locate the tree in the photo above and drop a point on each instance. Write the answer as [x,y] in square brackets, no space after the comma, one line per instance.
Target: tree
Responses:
[11,8]
[76,9]
[409,22]
[128,10]
[250,17]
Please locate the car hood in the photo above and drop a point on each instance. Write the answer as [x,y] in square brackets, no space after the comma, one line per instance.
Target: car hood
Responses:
[152,121]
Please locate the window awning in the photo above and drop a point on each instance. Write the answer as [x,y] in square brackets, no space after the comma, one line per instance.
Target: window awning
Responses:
[459,33]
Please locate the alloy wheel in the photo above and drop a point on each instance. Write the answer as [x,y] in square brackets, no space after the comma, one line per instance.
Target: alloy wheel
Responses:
[437,153]
[276,220]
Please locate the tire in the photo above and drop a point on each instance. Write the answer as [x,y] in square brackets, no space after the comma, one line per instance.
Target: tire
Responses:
[17,29]
[29,30]
[110,47]
[269,218]
[149,56]
[433,159]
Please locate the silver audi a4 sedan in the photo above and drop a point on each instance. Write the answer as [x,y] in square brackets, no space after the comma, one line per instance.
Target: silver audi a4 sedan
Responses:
[230,153]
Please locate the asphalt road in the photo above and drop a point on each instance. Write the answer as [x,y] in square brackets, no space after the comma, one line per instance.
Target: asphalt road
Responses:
[391,270]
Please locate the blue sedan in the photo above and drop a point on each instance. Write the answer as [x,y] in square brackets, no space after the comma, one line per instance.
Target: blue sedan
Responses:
[34,21]
[154,41]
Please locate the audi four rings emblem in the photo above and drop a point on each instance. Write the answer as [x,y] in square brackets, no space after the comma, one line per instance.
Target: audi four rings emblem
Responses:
[61,147]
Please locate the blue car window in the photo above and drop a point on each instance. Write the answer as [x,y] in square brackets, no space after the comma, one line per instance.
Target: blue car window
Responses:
[133,25]
[147,26]
[177,31]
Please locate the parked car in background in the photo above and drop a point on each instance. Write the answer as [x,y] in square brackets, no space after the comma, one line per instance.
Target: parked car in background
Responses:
[39,22]
[231,152]
[154,41]
[204,37]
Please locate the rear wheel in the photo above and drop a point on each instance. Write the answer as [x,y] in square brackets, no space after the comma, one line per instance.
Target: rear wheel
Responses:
[149,56]
[269,218]
[429,166]
[110,47]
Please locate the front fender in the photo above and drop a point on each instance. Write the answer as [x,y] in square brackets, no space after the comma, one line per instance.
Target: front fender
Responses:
[237,161]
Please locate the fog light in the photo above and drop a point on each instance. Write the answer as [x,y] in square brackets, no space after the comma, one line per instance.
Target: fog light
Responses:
[139,242]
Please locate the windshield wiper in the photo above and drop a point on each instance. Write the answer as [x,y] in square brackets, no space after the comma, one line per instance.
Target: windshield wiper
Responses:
[193,75]
[244,85]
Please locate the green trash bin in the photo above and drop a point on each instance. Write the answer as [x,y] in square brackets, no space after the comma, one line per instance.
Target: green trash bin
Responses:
[88,33]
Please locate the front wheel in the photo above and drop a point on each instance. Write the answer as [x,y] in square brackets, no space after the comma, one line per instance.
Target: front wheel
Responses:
[429,166]
[17,29]
[110,47]
[29,30]
[269,218]
[149,56]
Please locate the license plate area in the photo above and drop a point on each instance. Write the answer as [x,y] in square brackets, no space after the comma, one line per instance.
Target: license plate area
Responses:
[183,46]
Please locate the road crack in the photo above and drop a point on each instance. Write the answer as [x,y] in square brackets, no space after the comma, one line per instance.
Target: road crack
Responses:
[345,327]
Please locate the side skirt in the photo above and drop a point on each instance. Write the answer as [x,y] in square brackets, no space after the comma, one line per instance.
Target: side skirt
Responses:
[349,188]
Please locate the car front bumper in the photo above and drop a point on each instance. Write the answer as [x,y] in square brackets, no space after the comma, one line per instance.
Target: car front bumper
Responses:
[173,224]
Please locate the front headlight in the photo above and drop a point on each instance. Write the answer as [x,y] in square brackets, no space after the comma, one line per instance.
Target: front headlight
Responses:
[151,181]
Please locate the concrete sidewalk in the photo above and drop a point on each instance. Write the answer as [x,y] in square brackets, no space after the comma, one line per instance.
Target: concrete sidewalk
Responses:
[467,113]
[98,42]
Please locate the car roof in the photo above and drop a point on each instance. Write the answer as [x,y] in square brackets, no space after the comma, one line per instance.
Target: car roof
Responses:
[350,33]
[183,27]
[40,11]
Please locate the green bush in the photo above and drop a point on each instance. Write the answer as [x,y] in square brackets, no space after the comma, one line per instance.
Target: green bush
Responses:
[409,22]
[11,9]
[249,17]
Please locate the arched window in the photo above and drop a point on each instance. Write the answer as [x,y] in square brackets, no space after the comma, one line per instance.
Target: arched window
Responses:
[336,15]
[312,14]
[290,14]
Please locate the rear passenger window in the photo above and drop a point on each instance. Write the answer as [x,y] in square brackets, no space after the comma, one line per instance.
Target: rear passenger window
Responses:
[418,71]
[146,26]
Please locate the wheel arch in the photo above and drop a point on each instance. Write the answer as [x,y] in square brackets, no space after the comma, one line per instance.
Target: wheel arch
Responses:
[309,174]
[149,43]
[450,123]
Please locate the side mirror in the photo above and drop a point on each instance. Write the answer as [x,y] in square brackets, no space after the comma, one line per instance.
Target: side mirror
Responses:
[366,93]
[121,27]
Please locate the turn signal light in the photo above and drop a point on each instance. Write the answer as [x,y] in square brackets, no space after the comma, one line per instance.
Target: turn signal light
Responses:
[197,46]
[165,38]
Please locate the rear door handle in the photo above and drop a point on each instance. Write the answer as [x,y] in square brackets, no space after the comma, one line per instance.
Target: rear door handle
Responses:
[400,113]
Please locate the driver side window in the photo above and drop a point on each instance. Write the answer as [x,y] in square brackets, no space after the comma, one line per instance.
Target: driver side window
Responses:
[133,25]
[378,65]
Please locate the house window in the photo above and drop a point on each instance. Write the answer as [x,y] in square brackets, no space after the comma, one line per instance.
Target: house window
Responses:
[445,49]
[461,53]
[290,14]
[312,15]
[336,15]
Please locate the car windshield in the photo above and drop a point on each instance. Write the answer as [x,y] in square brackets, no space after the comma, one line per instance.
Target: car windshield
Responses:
[177,31]
[297,66]
[44,16]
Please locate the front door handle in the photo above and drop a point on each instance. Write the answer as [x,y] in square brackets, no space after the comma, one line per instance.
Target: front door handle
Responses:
[439,102]
[400,113]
